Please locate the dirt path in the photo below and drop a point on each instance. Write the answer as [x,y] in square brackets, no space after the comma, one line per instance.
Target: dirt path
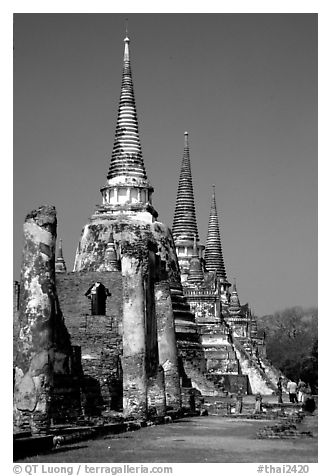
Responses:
[193,440]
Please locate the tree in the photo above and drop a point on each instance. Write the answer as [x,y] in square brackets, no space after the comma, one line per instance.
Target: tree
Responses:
[292,343]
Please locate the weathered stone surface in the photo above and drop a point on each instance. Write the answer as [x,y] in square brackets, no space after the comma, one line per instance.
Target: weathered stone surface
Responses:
[156,397]
[167,344]
[137,241]
[26,397]
[134,343]
[43,346]
[92,249]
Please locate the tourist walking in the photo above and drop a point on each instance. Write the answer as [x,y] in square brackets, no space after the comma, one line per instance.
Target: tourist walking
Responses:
[301,391]
[292,390]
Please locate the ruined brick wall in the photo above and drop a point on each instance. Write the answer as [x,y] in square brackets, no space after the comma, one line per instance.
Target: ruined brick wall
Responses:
[99,337]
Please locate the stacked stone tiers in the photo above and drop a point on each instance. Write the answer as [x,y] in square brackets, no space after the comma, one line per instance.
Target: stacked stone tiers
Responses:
[127,187]
[127,154]
[195,274]
[213,252]
[185,322]
[185,223]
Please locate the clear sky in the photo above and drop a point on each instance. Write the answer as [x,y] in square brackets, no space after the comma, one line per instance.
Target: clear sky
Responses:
[245,88]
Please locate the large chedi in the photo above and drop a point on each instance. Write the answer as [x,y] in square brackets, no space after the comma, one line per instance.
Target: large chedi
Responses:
[127,216]
[120,312]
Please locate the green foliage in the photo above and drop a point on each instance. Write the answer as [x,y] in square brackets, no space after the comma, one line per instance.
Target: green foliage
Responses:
[292,343]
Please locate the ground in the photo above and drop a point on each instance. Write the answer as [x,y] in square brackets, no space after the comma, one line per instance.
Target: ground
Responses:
[209,439]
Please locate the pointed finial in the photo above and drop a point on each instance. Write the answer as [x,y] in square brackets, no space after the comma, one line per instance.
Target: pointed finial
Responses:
[213,197]
[126,39]
[186,139]
[234,287]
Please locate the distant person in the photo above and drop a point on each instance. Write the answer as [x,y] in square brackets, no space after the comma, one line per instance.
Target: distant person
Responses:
[292,390]
[280,390]
[258,403]
[301,391]
[239,402]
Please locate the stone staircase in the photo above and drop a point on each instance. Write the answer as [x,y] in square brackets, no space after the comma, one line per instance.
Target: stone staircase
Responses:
[184,319]
[272,372]
[201,380]
[252,366]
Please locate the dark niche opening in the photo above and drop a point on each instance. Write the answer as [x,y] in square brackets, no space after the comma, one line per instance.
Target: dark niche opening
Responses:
[98,294]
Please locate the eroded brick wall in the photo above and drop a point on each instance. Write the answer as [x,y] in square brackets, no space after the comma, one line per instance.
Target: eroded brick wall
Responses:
[99,337]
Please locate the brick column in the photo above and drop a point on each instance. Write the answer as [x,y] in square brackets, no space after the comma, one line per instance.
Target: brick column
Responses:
[167,343]
[134,344]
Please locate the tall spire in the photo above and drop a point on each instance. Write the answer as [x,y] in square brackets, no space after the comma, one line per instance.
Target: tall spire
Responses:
[185,223]
[128,189]
[213,252]
[60,265]
[127,157]
[234,304]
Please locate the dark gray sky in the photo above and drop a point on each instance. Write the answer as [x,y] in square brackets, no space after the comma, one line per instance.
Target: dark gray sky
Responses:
[245,88]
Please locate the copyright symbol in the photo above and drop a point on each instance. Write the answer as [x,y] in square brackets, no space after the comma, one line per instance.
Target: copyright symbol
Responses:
[17,469]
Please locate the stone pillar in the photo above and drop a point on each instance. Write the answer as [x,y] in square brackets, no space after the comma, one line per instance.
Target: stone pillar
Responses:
[167,343]
[44,344]
[156,395]
[134,344]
